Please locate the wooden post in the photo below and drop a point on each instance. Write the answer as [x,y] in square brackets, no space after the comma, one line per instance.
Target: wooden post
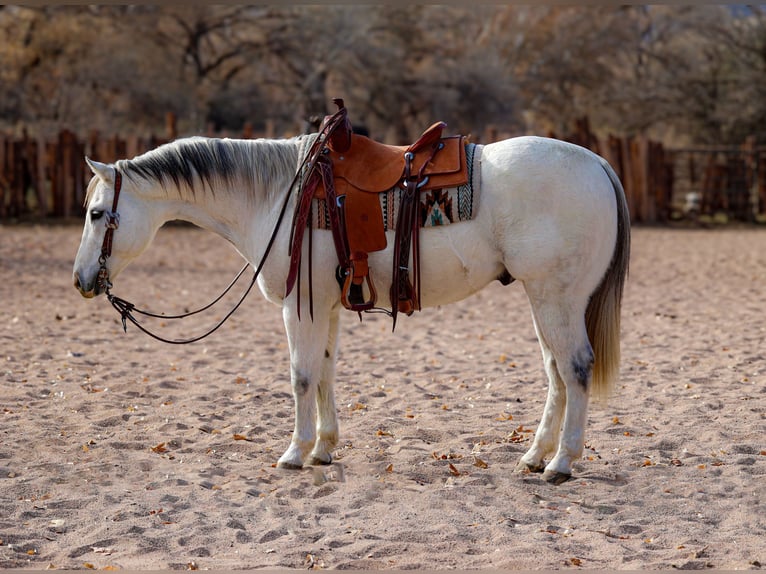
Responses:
[42,177]
[171,126]
[247,131]
[628,180]
[4,185]
[270,129]
[67,155]
[17,199]
[751,178]
[640,173]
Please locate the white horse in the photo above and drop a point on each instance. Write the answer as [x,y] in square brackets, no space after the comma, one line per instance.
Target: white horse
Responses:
[549,214]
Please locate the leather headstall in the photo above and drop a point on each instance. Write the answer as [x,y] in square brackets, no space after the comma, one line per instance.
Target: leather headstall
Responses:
[112,223]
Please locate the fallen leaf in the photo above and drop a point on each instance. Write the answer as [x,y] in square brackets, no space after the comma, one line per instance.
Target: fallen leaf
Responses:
[89,566]
[453,471]
[160,448]
[479,463]
[240,381]
[390,468]
[382,432]
[516,437]
[575,562]
[615,421]
[241,437]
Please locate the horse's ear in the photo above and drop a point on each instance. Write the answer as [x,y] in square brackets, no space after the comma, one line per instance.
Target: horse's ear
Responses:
[102,170]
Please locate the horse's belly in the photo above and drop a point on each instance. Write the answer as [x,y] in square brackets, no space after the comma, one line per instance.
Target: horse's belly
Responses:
[455,262]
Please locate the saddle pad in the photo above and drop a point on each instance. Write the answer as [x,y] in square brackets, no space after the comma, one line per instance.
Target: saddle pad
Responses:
[437,206]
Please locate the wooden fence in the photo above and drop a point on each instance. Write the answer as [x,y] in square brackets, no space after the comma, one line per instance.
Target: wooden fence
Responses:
[729,181]
[48,178]
[40,178]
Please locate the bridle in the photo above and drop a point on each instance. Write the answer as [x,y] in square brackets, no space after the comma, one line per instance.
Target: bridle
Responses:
[127,309]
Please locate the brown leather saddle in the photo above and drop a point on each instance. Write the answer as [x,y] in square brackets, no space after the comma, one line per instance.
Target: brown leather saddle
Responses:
[349,171]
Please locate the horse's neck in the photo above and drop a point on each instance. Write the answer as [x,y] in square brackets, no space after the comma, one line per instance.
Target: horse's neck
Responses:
[238,215]
[241,206]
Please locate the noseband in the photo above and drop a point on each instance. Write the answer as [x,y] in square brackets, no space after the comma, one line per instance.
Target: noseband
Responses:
[112,223]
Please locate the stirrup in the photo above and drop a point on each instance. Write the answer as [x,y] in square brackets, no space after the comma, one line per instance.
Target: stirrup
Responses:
[352,292]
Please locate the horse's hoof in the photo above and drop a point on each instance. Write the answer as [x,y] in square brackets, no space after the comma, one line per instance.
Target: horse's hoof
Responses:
[289,465]
[527,467]
[555,478]
[320,461]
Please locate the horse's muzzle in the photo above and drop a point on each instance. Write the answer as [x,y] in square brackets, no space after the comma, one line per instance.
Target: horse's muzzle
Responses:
[87,291]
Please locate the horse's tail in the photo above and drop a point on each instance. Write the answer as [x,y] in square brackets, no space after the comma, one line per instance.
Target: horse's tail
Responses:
[602,317]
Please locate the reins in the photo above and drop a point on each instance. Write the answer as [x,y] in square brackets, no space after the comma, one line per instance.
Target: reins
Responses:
[127,309]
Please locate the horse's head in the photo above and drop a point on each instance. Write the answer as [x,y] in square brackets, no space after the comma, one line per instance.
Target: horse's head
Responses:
[115,232]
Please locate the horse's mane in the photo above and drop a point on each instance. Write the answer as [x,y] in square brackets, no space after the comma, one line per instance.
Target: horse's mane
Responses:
[194,162]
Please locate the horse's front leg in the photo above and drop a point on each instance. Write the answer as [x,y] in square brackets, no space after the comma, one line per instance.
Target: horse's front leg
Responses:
[307,340]
[327,425]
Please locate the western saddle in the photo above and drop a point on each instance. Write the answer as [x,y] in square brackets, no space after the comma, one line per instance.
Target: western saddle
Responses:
[349,171]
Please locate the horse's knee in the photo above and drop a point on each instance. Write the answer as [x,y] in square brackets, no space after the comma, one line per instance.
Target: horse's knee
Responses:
[301,385]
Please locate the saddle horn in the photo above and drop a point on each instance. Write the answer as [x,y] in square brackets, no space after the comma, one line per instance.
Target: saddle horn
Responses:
[340,138]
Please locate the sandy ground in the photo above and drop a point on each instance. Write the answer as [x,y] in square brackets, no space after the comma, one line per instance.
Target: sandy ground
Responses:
[120,452]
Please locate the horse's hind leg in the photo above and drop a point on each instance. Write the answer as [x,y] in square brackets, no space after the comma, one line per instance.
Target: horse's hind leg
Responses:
[560,324]
[547,435]
[327,423]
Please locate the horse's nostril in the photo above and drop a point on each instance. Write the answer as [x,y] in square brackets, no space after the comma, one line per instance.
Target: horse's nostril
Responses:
[77,284]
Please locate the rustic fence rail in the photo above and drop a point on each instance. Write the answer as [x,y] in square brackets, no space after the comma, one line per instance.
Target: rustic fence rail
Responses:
[42,178]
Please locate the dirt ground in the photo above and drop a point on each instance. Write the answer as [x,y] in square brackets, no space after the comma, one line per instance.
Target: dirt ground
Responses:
[117,451]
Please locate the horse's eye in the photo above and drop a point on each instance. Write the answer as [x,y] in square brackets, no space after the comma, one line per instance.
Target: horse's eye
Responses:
[96,214]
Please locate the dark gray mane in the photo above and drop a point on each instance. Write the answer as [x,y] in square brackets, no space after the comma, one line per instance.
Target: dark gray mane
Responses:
[189,163]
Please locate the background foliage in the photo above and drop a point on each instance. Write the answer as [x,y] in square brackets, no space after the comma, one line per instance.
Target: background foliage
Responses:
[682,74]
